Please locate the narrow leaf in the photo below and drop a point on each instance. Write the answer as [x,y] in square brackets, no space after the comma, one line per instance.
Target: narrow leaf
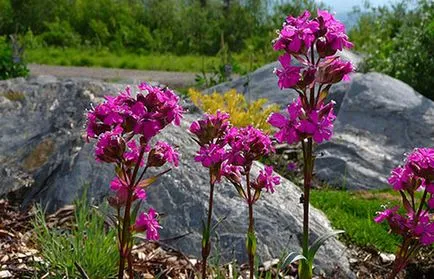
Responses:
[320,241]
[405,202]
[148,181]
[292,257]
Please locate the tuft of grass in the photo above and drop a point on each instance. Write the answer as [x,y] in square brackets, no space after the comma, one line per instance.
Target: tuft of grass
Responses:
[14,96]
[87,244]
[354,212]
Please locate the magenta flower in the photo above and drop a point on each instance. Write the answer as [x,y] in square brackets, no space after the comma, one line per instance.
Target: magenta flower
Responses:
[386,214]
[232,173]
[212,128]
[335,34]
[211,155]
[246,145]
[288,127]
[151,110]
[400,178]
[421,161]
[292,167]
[333,70]
[319,129]
[121,189]
[297,34]
[132,155]
[266,180]
[148,222]
[288,75]
[162,153]
[110,146]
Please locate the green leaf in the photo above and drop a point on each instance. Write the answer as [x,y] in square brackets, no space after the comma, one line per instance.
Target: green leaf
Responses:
[148,181]
[205,234]
[292,257]
[251,243]
[320,241]
[135,211]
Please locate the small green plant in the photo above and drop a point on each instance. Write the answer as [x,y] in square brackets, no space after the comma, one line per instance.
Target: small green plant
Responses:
[11,65]
[88,244]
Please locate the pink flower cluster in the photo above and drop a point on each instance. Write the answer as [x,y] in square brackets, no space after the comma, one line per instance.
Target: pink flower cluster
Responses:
[299,124]
[416,175]
[125,115]
[230,151]
[123,127]
[298,38]
[300,33]
[313,42]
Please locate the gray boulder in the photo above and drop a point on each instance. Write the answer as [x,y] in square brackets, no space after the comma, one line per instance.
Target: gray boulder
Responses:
[43,157]
[380,119]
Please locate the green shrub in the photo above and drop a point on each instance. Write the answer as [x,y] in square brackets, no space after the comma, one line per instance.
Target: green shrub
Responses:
[10,66]
[399,41]
[88,243]
[60,33]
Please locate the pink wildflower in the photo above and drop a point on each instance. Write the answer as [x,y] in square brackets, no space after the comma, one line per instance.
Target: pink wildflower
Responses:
[211,155]
[162,153]
[148,222]
[247,144]
[297,34]
[266,180]
[211,128]
[288,75]
[333,70]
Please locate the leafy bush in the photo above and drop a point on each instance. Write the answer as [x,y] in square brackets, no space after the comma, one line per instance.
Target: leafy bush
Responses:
[60,33]
[87,244]
[399,41]
[241,111]
[11,64]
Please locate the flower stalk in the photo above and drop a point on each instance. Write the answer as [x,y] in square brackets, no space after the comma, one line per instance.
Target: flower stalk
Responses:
[416,226]
[123,127]
[314,43]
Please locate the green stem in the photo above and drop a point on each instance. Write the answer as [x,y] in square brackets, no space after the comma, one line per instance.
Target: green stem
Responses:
[206,247]
[124,250]
[251,230]
[305,270]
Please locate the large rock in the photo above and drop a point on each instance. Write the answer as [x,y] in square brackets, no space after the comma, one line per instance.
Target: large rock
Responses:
[44,158]
[380,119]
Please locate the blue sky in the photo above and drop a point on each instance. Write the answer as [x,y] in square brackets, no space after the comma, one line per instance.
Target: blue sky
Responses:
[347,5]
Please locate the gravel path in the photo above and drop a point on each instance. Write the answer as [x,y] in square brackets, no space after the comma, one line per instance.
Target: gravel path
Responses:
[173,79]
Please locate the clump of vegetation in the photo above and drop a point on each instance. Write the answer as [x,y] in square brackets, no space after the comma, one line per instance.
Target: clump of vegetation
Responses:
[89,243]
[242,113]
[354,211]
[399,41]
[11,64]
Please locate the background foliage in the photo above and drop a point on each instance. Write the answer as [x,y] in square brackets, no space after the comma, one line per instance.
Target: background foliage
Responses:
[399,41]
[175,26]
